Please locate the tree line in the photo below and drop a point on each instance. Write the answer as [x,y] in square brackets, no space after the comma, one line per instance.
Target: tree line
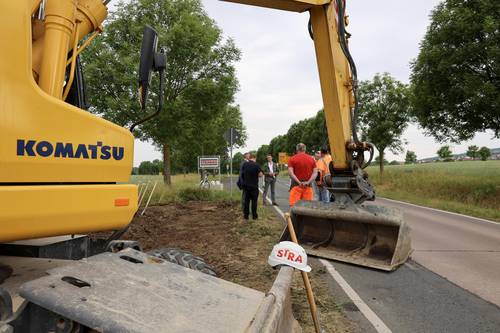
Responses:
[474,152]
[454,89]
[200,79]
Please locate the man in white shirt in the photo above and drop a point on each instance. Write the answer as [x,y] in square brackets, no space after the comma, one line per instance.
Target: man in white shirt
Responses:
[270,174]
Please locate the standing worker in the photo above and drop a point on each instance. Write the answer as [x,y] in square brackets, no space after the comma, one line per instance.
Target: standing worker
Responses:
[327,158]
[246,156]
[270,174]
[322,193]
[250,173]
[302,171]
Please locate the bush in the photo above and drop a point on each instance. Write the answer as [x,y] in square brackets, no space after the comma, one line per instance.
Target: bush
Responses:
[195,194]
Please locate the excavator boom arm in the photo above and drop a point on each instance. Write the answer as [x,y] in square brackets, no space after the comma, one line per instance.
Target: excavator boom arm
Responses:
[333,67]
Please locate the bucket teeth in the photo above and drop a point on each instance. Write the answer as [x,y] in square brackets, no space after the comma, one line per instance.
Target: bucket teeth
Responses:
[365,235]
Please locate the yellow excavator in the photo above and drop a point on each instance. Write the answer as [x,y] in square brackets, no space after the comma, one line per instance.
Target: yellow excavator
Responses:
[345,230]
[64,174]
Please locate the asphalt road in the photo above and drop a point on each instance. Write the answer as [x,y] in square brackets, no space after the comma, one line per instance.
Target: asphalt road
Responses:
[462,249]
[450,285]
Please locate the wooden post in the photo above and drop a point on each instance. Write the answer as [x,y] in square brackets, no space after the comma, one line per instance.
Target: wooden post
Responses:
[305,278]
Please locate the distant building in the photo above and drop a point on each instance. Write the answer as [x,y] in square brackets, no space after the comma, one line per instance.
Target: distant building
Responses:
[495,155]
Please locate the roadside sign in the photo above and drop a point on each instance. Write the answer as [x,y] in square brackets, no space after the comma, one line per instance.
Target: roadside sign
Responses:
[209,162]
[232,135]
[283,158]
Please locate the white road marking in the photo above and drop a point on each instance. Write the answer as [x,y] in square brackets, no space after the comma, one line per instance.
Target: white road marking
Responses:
[275,207]
[410,266]
[377,323]
[442,211]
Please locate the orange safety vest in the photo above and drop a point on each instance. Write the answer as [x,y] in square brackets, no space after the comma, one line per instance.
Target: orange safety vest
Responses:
[323,170]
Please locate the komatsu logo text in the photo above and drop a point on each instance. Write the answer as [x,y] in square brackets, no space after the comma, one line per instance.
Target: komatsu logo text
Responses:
[69,150]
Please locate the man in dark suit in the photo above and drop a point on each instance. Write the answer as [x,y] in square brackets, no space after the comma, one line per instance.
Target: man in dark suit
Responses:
[246,156]
[271,172]
[250,173]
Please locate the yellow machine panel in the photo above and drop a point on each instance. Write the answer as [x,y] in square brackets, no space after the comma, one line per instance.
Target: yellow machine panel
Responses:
[59,164]
[43,139]
[39,211]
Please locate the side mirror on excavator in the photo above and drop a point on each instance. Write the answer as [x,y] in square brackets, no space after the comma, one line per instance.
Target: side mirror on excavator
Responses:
[150,61]
[146,62]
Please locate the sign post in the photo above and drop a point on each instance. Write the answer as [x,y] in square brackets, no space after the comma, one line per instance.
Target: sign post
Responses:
[209,163]
[231,135]
[283,159]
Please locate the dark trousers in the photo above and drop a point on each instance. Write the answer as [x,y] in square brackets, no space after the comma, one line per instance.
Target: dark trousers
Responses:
[269,182]
[250,195]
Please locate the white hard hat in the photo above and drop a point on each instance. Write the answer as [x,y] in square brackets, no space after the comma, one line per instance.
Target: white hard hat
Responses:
[290,254]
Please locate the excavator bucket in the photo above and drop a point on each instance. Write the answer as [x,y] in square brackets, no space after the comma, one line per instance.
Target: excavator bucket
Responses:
[365,235]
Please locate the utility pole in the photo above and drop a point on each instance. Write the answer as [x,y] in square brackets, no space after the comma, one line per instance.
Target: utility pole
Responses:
[231,162]
[231,135]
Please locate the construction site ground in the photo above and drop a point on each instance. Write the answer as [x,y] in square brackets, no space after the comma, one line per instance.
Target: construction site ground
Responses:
[237,250]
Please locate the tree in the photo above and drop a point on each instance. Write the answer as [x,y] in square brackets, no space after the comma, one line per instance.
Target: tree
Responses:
[315,135]
[383,113]
[294,135]
[444,152]
[147,168]
[484,153]
[157,166]
[377,160]
[237,160]
[472,152]
[200,77]
[411,157]
[456,76]
[277,145]
[261,154]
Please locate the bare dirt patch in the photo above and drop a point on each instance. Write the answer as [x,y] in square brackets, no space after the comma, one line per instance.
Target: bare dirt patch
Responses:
[237,250]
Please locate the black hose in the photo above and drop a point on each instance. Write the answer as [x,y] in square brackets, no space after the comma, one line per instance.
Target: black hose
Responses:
[372,152]
[310,28]
[160,102]
[352,65]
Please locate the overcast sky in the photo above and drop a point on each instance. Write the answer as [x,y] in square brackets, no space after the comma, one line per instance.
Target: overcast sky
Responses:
[279,82]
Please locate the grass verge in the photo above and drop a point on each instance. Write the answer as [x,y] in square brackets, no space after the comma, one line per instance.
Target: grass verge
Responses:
[183,188]
[468,187]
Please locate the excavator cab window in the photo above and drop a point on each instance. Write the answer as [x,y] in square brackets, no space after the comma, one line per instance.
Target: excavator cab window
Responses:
[76,95]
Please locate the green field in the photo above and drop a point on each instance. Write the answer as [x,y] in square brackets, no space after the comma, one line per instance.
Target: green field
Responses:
[183,188]
[468,187]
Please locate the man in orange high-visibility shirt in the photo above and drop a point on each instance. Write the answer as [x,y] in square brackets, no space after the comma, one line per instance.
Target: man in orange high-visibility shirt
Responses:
[327,158]
[322,193]
[302,171]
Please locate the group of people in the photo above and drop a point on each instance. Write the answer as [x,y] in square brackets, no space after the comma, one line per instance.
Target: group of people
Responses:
[307,175]
[307,178]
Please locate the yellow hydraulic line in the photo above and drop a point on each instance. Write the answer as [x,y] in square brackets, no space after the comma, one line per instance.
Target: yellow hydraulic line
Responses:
[86,43]
[59,24]
[73,64]
[91,14]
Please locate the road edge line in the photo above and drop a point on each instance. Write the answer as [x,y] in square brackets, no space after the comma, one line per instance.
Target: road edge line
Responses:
[371,316]
[279,211]
[442,211]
